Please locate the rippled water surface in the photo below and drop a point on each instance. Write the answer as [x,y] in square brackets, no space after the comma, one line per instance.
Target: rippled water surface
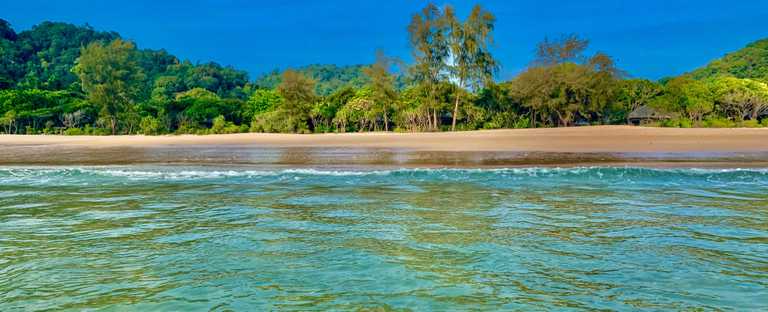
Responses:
[219,238]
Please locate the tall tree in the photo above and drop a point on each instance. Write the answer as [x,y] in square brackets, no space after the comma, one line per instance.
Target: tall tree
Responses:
[634,93]
[472,64]
[382,86]
[110,76]
[741,98]
[563,85]
[298,92]
[428,33]
[568,48]
[691,97]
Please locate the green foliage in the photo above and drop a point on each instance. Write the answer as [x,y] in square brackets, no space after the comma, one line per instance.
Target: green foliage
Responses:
[740,98]
[46,54]
[74,131]
[222,126]
[328,78]
[359,114]
[632,94]
[151,126]
[505,120]
[58,78]
[752,123]
[324,111]
[279,121]
[749,62]
[297,92]
[692,98]
[111,77]
[677,123]
[262,100]
[718,122]
[563,93]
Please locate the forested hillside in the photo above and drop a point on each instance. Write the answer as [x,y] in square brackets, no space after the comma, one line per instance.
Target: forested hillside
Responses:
[749,62]
[328,78]
[58,78]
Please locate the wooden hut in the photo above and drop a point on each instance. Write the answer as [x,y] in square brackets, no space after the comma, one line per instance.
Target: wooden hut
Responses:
[645,114]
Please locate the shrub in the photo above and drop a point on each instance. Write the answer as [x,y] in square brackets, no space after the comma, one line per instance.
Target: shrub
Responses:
[670,123]
[764,123]
[752,123]
[219,123]
[718,122]
[222,126]
[150,126]
[278,121]
[685,123]
[505,120]
[74,131]
[320,128]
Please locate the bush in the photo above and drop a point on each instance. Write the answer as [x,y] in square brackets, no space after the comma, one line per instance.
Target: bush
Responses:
[670,123]
[219,123]
[685,123]
[222,126]
[521,123]
[718,122]
[186,129]
[90,130]
[506,120]
[279,121]
[74,131]
[150,126]
[764,123]
[752,123]
[323,128]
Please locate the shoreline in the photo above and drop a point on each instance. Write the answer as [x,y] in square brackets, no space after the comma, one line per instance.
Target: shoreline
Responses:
[597,145]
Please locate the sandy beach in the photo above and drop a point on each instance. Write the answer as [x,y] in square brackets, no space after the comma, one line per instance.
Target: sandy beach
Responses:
[617,139]
[610,144]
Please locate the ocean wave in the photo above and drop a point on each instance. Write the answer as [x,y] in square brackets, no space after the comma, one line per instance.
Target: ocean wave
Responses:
[172,173]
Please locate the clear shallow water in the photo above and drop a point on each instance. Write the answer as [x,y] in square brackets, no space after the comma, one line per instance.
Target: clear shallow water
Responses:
[218,238]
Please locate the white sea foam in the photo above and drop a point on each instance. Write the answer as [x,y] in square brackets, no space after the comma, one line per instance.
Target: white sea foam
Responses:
[190,173]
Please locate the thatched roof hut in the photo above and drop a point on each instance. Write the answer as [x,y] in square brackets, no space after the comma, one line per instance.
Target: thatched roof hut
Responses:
[645,114]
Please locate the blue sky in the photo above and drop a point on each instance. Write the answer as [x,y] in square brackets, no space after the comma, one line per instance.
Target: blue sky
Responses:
[649,39]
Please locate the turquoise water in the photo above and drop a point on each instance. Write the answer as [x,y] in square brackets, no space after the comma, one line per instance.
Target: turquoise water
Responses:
[221,238]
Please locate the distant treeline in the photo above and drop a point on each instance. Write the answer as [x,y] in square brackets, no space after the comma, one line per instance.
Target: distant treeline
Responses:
[58,78]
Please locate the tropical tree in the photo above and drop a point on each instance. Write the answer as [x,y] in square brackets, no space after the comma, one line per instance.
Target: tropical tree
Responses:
[471,62]
[110,77]
[563,85]
[428,33]
[634,93]
[382,86]
[741,98]
[9,122]
[324,111]
[261,101]
[298,93]
[691,97]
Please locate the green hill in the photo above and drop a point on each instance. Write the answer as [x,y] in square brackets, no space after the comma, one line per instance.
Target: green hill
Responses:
[43,56]
[749,62]
[328,77]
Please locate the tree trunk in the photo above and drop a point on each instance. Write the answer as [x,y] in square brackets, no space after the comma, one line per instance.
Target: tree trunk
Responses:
[455,113]
[436,127]
[455,110]
[386,122]
[430,125]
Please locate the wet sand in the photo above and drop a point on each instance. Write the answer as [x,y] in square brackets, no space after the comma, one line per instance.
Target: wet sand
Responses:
[601,145]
